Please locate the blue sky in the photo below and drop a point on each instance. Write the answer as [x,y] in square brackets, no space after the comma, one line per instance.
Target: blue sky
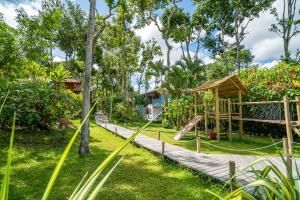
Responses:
[266,46]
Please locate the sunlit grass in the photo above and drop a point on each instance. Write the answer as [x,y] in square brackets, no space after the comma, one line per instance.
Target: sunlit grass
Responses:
[249,142]
[141,175]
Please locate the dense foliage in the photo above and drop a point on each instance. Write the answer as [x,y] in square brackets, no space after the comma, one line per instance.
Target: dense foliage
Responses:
[272,84]
[179,112]
[38,103]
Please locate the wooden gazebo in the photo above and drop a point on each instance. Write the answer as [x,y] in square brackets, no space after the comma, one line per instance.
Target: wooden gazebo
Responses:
[226,106]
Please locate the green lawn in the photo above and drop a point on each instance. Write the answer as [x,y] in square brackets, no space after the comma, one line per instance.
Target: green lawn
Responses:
[249,142]
[141,174]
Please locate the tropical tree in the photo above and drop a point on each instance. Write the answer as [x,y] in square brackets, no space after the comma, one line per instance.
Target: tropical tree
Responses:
[85,131]
[243,13]
[149,11]
[146,65]
[287,25]
[72,32]
[10,56]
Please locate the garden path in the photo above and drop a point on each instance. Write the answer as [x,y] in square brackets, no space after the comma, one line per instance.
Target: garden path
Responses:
[214,165]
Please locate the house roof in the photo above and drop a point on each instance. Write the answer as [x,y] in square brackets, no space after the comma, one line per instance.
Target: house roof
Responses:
[228,86]
[151,93]
[72,80]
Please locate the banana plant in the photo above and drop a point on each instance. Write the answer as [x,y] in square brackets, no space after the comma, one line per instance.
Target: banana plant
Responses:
[270,184]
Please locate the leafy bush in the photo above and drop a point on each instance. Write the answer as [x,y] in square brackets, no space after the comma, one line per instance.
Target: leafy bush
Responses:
[124,112]
[271,84]
[38,103]
[180,111]
[270,183]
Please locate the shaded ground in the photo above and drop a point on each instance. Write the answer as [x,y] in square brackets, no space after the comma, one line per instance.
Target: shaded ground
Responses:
[188,141]
[141,175]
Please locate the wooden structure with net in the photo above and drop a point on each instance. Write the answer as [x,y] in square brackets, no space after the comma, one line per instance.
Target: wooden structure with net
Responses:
[228,106]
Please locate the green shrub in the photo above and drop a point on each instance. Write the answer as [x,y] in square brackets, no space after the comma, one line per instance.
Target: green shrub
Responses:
[271,84]
[124,112]
[180,111]
[38,103]
[266,85]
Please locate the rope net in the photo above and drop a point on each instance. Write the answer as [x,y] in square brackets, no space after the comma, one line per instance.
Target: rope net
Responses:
[273,111]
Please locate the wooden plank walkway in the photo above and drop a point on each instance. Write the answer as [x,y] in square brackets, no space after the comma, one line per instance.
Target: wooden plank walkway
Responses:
[214,165]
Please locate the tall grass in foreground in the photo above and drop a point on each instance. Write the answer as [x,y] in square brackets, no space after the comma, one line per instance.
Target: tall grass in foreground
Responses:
[5,181]
[270,184]
[82,191]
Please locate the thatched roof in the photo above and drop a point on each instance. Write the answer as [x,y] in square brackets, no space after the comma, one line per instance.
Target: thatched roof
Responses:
[228,86]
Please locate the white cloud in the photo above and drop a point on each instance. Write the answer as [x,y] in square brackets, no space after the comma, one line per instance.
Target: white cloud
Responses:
[266,45]
[151,32]
[270,64]
[58,59]
[9,10]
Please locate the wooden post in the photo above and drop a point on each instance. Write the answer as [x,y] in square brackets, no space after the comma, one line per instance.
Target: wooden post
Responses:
[163,150]
[289,132]
[217,113]
[116,131]
[195,99]
[298,108]
[158,135]
[233,185]
[229,121]
[105,125]
[287,155]
[198,144]
[205,118]
[240,115]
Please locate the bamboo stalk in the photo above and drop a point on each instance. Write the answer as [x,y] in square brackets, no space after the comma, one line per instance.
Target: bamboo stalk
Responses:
[287,155]
[298,108]
[288,124]
[205,118]
[229,120]
[198,144]
[240,116]
[217,114]
[231,175]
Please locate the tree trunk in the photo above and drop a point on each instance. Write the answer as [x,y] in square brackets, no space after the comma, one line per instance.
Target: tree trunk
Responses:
[286,49]
[169,48]
[85,131]
[238,51]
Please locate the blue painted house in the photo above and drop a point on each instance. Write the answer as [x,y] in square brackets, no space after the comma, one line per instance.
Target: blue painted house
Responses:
[153,106]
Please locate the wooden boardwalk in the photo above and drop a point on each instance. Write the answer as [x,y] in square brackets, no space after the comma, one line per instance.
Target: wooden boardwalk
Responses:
[214,165]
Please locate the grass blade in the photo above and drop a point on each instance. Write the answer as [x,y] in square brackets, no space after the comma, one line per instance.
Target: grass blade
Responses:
[78,186]
[5,182]
[86,187]
[100,185]
[64,156]
[2,105]
[115,153]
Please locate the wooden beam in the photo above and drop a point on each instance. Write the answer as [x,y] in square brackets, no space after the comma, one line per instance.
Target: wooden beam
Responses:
[288,156]
[240,115]
[298,108]
[217,113]
[237,85]
[198,144]
[205,118]
[232,182]
[195,99]
[229,120]
[288,124]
